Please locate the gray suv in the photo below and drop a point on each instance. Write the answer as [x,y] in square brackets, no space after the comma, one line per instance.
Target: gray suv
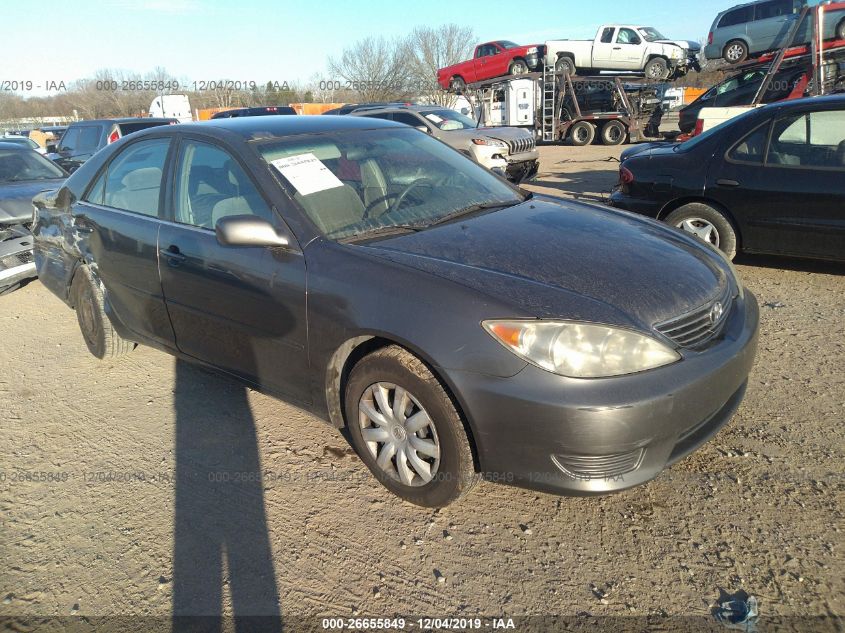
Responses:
[758,27]
[508,151]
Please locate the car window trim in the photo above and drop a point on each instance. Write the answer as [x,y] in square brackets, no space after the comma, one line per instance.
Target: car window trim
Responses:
[105,166]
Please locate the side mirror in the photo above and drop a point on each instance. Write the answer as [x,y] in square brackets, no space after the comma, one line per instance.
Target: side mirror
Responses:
[248,230]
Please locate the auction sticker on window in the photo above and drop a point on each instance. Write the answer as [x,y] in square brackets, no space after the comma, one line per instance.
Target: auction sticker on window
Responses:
[306,173]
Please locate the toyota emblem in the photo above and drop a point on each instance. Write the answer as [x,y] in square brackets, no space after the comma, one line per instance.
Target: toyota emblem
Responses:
[716,312]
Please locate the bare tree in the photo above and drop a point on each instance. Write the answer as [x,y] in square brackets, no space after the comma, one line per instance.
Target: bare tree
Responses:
[374,69]
[429,48]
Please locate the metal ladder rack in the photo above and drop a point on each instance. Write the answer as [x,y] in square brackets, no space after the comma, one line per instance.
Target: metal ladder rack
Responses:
[549,123]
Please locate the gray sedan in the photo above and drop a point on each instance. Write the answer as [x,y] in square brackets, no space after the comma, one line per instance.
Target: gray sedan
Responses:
[455,326]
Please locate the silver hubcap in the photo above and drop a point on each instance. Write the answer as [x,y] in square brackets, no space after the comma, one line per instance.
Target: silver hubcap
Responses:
[702,228]
[399,434]
[655,71]
[735,52]
[613,133]
[519,69]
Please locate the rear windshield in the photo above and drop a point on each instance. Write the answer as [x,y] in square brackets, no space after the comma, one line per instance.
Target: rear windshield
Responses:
[128,128]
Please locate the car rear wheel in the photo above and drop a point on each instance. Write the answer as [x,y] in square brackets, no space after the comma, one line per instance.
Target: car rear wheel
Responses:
[613,133]
[518,67]
[97,330]
[840,31]
[706,223]
[582,133]
[406,429]
[656,69]
[736,51]
[565,65]
[458,84]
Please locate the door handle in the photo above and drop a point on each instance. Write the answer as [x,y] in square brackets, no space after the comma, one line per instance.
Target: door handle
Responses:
[727,183]
[173,255]
[617,48]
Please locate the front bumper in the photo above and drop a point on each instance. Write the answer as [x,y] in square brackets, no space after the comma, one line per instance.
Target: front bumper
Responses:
[16,260]
[522,171]
[587,437]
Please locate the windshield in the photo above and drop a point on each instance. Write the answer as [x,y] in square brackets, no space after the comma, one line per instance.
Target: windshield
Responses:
[26,165]
[355,182]
[506,44]
[449,120]
[651,34]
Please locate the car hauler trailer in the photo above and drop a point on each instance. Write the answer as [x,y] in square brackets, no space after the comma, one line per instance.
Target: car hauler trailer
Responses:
[558,107]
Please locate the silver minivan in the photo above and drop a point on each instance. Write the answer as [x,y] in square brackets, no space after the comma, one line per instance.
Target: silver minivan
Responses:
[757,27]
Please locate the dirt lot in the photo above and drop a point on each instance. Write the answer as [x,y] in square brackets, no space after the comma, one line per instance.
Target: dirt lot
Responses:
[128,519]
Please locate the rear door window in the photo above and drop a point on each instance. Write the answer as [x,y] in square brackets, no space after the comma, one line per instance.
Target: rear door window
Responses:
[89,138]
[809,140]
[132,180]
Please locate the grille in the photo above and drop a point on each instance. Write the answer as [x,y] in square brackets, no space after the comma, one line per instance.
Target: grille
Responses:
[25,257]
[16,259]
[598,466]
[697,327]
[521,145]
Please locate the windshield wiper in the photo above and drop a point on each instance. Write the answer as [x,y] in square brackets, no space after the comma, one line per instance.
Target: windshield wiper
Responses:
[474,208]
[384,230]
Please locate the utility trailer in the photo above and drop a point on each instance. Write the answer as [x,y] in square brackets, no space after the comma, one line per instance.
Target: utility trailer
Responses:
[558,107]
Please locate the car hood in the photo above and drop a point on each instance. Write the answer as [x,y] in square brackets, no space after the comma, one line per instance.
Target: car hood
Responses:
[16,198]
[557,259]
[691,46]
[498,133]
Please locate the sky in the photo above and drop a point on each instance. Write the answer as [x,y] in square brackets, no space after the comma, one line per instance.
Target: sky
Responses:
[266,40]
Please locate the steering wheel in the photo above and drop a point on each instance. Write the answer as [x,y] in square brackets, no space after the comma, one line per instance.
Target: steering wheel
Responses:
[401,197]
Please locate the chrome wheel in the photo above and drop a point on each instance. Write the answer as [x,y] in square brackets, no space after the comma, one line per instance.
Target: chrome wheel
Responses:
[735,52]
[702,228]
[399,434]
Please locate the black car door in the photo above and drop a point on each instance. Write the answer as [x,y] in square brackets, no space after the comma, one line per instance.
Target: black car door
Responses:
[119,220]
[784,184]
[241,309]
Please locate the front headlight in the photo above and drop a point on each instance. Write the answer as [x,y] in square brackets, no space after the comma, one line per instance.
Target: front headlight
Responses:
[489,141]
[581,350]
[531,51]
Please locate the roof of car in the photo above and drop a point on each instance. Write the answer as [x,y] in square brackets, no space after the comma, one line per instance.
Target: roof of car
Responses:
[134,119]
[269,126]
[18,146]
[833,100]
[401,108]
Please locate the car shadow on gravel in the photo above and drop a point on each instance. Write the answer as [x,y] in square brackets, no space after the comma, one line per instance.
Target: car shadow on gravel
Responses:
[791,263]
[220,537]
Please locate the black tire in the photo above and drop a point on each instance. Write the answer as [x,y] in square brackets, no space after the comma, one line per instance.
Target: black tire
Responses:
[725,234]
[100,337]
[458,85]
[518,67]
[455,475]
[582,133]
[735,52]
[565,65]
[656,69]
[613,133]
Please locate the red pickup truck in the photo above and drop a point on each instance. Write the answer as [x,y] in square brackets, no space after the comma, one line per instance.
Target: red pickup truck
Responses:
[492,59]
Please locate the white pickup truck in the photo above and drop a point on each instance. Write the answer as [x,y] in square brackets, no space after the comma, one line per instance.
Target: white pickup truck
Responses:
[623,47]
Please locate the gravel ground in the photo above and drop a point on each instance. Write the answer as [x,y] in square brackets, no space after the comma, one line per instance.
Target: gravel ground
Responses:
[109,503]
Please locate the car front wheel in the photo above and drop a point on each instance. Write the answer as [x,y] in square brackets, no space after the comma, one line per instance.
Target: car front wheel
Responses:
[518,67]
[657,69]
[706,223]
[406,429]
